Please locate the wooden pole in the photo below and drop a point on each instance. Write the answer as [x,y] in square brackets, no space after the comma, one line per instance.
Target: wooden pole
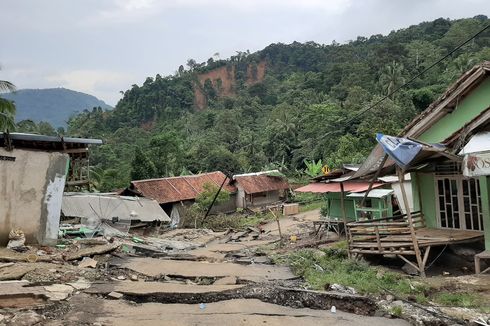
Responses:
[401,179]
[375,176]
[214,198]
[342,204]
[278,227]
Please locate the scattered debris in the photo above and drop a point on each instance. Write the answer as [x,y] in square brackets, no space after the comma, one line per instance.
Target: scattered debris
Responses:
[87,262]
[115,295]
[17,240]
[91,251]
[58,292]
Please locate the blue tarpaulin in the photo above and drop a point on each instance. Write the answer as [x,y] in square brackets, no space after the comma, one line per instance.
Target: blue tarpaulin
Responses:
[401,150]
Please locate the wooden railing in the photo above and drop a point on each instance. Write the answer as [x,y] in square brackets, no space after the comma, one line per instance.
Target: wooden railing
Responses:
[385,235]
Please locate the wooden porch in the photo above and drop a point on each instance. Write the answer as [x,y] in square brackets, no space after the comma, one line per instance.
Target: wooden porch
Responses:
[399,236]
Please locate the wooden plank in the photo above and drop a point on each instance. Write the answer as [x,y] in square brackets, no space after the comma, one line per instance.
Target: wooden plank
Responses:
[376,252]
[401,179]
[409,262]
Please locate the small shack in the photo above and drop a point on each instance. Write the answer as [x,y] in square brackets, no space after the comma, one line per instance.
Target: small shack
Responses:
[260,189]
[172,193]
[34,170]
[333,196]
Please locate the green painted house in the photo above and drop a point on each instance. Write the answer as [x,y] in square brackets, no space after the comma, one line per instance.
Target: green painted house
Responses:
[447,198]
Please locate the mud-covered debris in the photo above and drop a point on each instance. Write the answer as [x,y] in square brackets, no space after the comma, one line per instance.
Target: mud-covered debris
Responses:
[115,295]
[91,251]
[27,318]
[87,262]
[57,292]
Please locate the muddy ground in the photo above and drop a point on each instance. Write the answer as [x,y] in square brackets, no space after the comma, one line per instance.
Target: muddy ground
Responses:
[180,277]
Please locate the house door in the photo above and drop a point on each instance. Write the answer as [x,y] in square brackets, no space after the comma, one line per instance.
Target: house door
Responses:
[458,203]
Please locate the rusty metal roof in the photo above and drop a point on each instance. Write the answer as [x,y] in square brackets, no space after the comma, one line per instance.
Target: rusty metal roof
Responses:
[350,186]
[253,184]
[175,189]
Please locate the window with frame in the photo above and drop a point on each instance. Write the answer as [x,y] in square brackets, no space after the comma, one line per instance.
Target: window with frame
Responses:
[458,202]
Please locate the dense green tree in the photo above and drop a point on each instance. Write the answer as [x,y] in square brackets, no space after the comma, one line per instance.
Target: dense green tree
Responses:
[316,102]
[142,167]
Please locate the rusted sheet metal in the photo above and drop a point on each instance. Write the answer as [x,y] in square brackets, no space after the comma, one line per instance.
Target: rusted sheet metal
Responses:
[175,189]
[253,184]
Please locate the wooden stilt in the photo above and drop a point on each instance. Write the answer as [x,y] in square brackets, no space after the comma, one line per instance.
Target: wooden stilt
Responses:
[426,256]
[416,248]
[408,262]
[344,217]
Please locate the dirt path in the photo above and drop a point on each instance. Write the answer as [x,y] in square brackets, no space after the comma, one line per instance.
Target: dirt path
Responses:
[294,224]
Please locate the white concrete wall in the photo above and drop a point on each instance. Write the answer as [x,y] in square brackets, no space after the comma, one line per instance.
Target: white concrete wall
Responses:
[31,192]
[398,193]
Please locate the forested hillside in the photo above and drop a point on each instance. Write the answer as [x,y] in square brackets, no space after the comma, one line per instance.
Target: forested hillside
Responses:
[294,109]
[52,105]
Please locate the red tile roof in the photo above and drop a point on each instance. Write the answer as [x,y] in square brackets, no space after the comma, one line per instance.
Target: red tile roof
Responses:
[322,188]
[252,184]
[175,189]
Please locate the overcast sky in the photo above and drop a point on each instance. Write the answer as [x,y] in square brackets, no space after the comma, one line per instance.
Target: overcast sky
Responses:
[104,46]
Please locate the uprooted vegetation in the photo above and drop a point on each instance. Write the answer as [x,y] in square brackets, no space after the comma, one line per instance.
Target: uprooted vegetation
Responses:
[323,268]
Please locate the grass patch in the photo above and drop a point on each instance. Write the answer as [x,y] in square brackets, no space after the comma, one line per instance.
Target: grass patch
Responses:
[311,206]
[320,271]
[396,311]
[455,299]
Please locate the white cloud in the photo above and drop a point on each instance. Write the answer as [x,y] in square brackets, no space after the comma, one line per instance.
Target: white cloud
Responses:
[124,11]
[100,83]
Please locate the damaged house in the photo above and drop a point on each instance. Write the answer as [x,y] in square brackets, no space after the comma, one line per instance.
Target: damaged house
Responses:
[260,189]
[34,170]
[446,149]
[121,212]
[174,193]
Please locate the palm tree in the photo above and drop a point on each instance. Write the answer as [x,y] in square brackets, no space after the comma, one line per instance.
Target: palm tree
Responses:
[7,108]
[392,78]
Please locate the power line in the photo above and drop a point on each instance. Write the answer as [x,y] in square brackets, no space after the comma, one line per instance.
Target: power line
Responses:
[349,120]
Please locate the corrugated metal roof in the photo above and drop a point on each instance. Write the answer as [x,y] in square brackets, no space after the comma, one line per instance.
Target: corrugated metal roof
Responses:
[252,184]
[175,189]
[107,206]
[322,188]
[374,193]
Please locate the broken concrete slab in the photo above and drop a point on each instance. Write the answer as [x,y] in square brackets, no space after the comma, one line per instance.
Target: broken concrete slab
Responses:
[228,280]
[15,272]
[152,288]
[8,255]
[190,269]
[15,294]
[80,284]
[230,312]
[91,251]
[58,292]
[27,318]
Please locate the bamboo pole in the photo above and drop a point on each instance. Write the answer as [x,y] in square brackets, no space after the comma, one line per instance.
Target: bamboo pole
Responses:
[278,226]
[401,179]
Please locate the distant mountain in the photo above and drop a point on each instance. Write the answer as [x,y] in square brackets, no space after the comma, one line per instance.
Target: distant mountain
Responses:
[53,105]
